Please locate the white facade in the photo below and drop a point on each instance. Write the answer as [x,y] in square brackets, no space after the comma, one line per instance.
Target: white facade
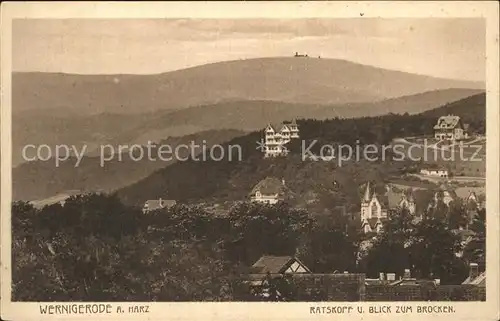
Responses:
[277,136]
[269,191]
[296,267]
[449,127]
[265,198]
[408,203]
[434,172]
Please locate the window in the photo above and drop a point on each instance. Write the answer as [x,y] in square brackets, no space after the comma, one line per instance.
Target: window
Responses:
[374,209]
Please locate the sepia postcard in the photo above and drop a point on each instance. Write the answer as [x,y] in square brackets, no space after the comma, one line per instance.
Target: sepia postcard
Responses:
[250,160]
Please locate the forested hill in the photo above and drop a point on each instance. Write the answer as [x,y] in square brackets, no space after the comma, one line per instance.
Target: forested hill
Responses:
[233,179]
[472,110]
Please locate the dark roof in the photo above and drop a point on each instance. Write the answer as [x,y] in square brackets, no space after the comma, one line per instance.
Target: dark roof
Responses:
[413,282]
[447,122]
[480,280]
[274,264]
[392,199]
[278,126]
[269,186]
[373,222]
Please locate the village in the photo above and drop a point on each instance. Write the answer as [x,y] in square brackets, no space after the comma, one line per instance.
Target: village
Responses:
[338,161]
[372,215]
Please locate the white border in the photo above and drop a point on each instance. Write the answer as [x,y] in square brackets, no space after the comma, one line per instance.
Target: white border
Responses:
[269,311]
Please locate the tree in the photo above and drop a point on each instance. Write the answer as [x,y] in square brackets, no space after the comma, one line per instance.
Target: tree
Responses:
[258,229]
[457,217]
[433,252]
[389,252]
[475,249]
[327,248]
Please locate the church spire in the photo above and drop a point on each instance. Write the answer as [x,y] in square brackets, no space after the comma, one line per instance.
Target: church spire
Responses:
[366,198]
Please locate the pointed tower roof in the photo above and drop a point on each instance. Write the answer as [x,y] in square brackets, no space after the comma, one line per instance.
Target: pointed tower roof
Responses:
[472,196]
[366,197]
[411,196]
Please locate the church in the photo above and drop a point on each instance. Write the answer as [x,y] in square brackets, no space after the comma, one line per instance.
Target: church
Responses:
[374,208]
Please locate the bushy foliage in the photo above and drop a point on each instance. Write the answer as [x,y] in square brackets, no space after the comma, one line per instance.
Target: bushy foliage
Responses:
[428,247]
[94,248]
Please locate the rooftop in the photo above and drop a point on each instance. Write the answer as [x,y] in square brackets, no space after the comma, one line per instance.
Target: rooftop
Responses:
[158,204]
[274,264]
[270,186]
[447,122]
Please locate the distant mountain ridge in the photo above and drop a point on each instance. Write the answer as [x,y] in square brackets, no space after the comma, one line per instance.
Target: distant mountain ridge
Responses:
[285,79]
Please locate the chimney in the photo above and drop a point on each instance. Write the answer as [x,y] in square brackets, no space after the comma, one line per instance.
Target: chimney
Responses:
[473,271]
[407,274]
[283,181]
[381,276]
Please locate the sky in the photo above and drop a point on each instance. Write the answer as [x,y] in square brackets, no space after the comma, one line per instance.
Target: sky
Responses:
[441,47]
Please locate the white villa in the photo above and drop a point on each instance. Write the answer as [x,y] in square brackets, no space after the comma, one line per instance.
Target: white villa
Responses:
[435,172]
[277,136]
[449,127]
[270,190]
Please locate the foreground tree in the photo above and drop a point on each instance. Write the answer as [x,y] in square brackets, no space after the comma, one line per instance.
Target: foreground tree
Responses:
[475,249]
[434,249]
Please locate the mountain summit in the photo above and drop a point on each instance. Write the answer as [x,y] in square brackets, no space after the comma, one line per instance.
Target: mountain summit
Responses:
[304,80]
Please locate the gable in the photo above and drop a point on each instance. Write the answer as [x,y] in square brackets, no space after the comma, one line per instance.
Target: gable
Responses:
[279,264]
[296,267]
[448,122]
[375,202]
[285,128]
[269,186]
[270,128]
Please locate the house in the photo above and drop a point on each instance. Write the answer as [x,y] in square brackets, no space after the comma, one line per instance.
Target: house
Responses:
[475,278]
[277,136]
[475,202]
[374,207]
[373,212]
[279,265]
[300,55]
[268,267]
[443,195]
[435,172]
[152,205]
[269,190]
[406,198]
[449,127]
[408,202]
[473,205]
[267,278]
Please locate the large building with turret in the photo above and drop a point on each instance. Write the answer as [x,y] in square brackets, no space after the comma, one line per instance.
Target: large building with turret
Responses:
[277,136]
